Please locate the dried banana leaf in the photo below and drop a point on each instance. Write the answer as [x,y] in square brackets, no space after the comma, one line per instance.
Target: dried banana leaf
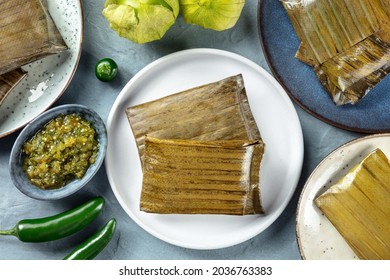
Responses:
[8,82]
[328,27]
[216,111]
[28,33]
[349,76]
[347,45]
[386,6]
[359,207]
[202,177]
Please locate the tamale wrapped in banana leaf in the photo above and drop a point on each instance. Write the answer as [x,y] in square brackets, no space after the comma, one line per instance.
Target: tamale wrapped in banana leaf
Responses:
[215,111]
[358,205]
[346,42]
[27,33]
[328,27]
[386,6]
[349,76]
[8,82]
[202,177]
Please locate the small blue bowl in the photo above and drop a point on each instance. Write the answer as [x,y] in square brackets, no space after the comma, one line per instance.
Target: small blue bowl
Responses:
[19,177]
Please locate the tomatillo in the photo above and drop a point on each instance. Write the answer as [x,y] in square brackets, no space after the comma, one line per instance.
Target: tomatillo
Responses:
[106,69]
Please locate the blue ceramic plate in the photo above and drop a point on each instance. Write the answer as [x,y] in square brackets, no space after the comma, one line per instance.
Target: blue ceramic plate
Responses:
[19,177]
[280,44]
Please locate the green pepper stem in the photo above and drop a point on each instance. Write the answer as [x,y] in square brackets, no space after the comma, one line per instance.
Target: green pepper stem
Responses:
[11,231]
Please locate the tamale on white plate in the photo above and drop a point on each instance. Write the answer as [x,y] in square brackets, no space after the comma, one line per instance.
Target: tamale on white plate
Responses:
[214,111]
[47,78]
[202,177]
[317,237]
[274,114]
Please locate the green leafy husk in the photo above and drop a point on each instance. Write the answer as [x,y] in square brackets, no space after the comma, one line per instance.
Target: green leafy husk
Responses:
[141,21]
[212,14]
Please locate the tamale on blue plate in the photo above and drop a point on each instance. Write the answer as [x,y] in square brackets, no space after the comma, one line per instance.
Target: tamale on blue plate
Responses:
[346,42]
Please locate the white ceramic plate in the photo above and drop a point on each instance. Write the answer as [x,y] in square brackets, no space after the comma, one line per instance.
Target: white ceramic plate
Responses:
[48,78]
[276,118]
[317,237]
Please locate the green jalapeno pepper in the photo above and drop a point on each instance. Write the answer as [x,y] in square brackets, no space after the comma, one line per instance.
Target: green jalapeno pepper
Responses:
[89,249]
[57,226]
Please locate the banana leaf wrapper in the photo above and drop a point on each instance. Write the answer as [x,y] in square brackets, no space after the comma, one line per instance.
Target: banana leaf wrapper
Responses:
[214,111]
[349,76]
[28,33]
[9,81]
[358,205]
[347,45]
[328,27]
[202,177]
[386,6]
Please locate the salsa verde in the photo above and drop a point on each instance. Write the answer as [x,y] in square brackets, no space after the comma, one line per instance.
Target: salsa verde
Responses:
[61,151]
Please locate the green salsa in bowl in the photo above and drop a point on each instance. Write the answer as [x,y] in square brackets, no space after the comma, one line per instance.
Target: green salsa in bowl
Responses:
[58,152]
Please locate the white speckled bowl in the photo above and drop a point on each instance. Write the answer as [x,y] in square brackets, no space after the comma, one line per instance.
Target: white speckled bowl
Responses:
[47,79]
[19,177]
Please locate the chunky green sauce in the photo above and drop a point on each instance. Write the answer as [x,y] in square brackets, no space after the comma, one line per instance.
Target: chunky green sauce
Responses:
[60,152]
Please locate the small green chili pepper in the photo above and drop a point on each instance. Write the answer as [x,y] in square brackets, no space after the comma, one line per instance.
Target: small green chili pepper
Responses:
[57,226]
[89,249]
[106,69]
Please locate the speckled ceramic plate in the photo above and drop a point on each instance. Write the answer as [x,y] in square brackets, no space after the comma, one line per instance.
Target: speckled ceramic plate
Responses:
[47,79]
[317,237]
[275,116]
[280,44]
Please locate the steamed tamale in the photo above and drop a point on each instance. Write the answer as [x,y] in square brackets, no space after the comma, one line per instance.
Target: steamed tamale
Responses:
[358,205]
[27,33]
[350,75]
[386,6]
[328,27]
[8,82]
[215,111]
[346,42]
[202,177]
